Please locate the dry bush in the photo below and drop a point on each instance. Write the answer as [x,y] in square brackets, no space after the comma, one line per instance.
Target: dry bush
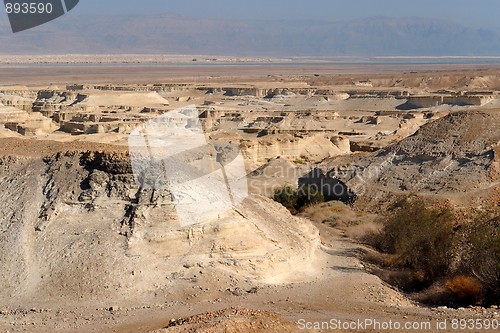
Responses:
[407,280]
[465,290]
[359,232]
[380,259]
[297,200]
[420,237]
[340,216]
[309,195]
[322,212]
[435,295]
[287,196]
[483,257]
[459,257]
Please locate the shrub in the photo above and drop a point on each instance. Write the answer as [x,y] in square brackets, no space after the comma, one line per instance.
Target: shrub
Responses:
[459,257]
[286,196]
[465,290]
[332,219]
[483,260]
[295,200]
[419,236]
[408,280]
[435,295]
[309,195]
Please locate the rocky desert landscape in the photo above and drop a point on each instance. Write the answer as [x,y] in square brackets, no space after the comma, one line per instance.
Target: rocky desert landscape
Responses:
[99,175]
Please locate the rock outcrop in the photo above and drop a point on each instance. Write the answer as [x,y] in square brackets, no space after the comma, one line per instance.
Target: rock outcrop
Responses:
[454,157]
[58,209]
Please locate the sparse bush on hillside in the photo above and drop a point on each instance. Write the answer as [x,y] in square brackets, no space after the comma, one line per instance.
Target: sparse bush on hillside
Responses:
[296,200]
[286,196]
[420,237]
[463,258]
[483,257]
[465,290]
[309,195]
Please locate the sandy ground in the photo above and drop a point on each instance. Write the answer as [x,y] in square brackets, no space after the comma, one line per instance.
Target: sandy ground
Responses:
[43,74]
[344,292]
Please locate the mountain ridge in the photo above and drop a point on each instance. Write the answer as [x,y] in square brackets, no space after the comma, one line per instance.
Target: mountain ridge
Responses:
[165,33]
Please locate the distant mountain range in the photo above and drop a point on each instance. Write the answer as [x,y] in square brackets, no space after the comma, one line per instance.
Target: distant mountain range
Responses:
[177,35]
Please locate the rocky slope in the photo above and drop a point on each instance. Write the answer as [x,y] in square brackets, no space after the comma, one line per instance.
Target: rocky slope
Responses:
[455,157]
[75,226]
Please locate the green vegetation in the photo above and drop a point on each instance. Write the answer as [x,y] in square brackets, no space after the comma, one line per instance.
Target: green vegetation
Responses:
[420,237]
[332,219]
[483,256]
[297,199]
[286,196]
[435,248]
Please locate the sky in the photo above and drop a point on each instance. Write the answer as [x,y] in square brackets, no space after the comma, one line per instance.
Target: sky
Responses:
[166,34]
[471,13]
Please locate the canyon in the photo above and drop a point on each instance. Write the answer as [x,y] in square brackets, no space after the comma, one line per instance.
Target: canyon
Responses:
[86,242]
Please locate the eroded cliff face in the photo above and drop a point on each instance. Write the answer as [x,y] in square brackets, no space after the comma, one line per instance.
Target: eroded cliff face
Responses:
[304,122]
[298,148]
[455,158]
[117,109]
[76,226]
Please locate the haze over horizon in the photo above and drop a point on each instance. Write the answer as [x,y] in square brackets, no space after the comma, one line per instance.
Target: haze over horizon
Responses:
[470,13]
[261,28]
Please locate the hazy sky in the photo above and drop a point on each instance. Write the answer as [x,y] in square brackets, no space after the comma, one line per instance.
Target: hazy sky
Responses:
[473,13]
